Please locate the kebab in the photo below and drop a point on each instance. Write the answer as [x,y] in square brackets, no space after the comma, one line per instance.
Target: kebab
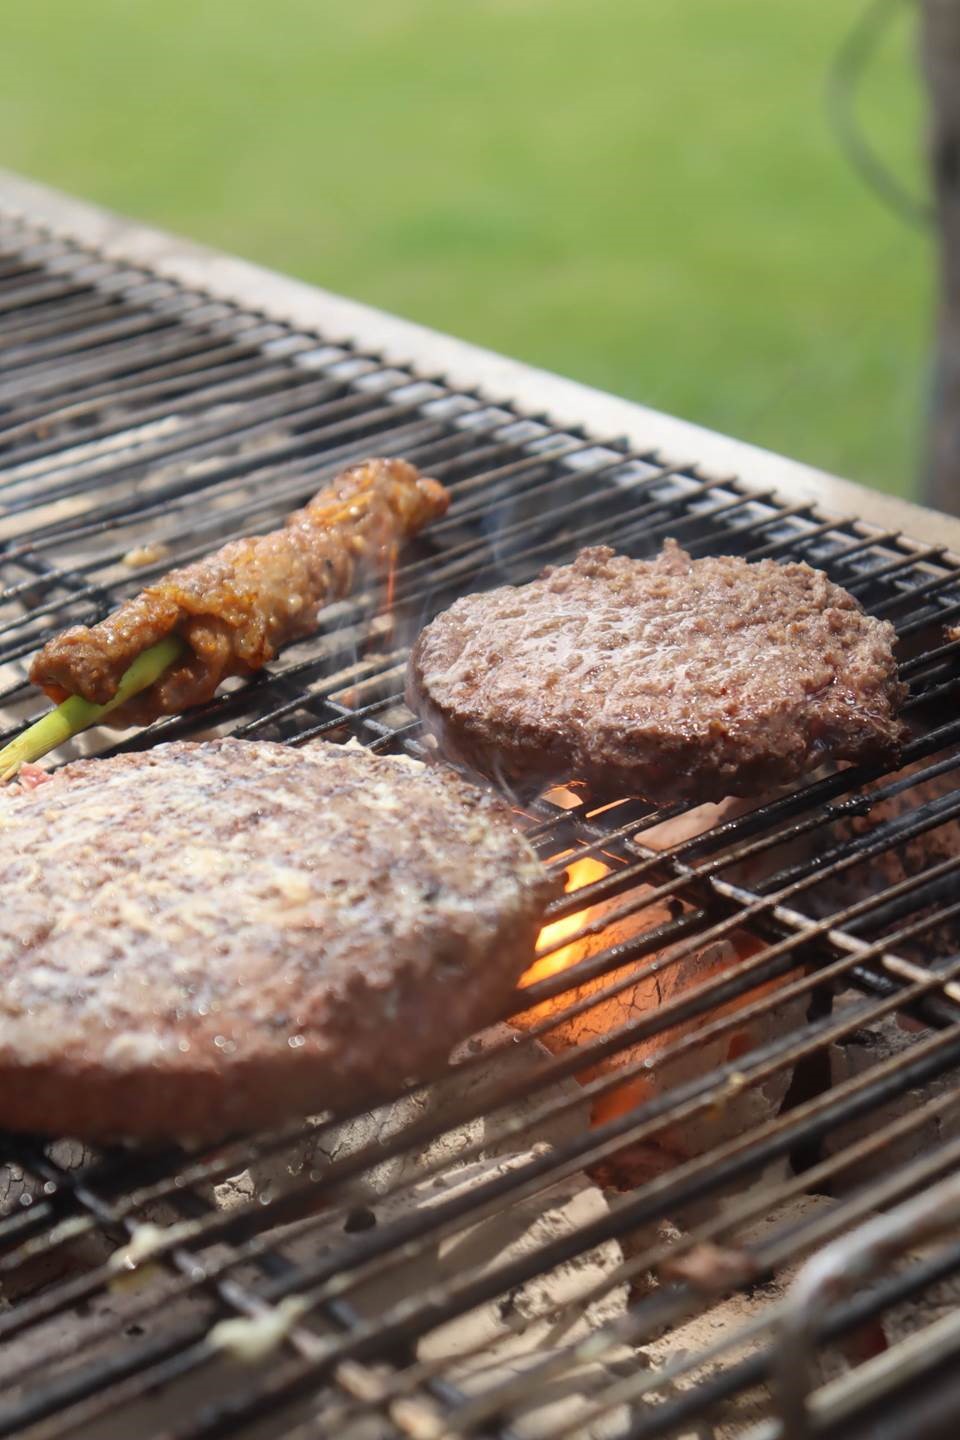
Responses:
[171,646]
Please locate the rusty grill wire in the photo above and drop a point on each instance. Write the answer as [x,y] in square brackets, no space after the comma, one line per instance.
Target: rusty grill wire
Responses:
[140,425]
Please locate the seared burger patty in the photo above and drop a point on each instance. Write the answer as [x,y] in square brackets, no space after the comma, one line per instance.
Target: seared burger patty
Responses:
[211,937]
[673,678]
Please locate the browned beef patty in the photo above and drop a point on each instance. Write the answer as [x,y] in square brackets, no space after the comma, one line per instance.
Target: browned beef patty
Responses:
[212,937]
[673,678]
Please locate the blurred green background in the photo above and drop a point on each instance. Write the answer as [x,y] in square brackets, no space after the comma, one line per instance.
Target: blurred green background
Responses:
[643,194]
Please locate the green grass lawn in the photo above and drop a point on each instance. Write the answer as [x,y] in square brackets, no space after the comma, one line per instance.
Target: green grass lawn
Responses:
[643,194]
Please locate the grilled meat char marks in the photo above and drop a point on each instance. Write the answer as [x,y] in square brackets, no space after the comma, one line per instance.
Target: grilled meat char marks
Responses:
[674,678]
[211,937]
[236,608]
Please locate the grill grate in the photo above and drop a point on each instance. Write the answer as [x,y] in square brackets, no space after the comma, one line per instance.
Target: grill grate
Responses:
[140,425]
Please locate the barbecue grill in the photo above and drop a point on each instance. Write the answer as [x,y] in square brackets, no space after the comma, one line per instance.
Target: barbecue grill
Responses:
[515,1250]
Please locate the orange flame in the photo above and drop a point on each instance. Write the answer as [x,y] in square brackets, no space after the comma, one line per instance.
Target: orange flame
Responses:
[391,579]
[579,873]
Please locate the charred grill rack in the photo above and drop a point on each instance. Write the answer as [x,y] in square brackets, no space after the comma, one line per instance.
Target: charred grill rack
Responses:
[141,423]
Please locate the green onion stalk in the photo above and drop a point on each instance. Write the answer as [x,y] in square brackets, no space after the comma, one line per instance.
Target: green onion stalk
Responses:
[76,714]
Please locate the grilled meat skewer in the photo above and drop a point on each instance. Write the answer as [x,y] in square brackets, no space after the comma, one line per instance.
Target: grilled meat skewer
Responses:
[233,610]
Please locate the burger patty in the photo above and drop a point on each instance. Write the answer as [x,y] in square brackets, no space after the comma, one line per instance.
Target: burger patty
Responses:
[672,678]
[206,938]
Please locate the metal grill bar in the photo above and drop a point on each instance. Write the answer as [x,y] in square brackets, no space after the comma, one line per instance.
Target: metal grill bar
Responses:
[134,412]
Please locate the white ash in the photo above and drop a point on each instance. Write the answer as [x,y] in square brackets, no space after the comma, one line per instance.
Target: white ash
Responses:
[519,1326]
[884,1330]
[543,1313]
[561,1399]
[114,1326]
[19,1190]
[723,1321]
[512,1328]
[79,1246]
[726,1323]
[510,1059]
[856,1055]
[941,1299]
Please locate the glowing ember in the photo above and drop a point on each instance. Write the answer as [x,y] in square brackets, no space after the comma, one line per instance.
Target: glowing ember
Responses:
[623,994]
[579,874]
[563,797]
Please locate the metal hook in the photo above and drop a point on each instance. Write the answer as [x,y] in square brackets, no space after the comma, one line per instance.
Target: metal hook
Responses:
[835,1271]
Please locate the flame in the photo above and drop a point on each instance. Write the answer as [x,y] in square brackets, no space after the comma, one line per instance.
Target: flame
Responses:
[579,873]
[563,798]
[391,580]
